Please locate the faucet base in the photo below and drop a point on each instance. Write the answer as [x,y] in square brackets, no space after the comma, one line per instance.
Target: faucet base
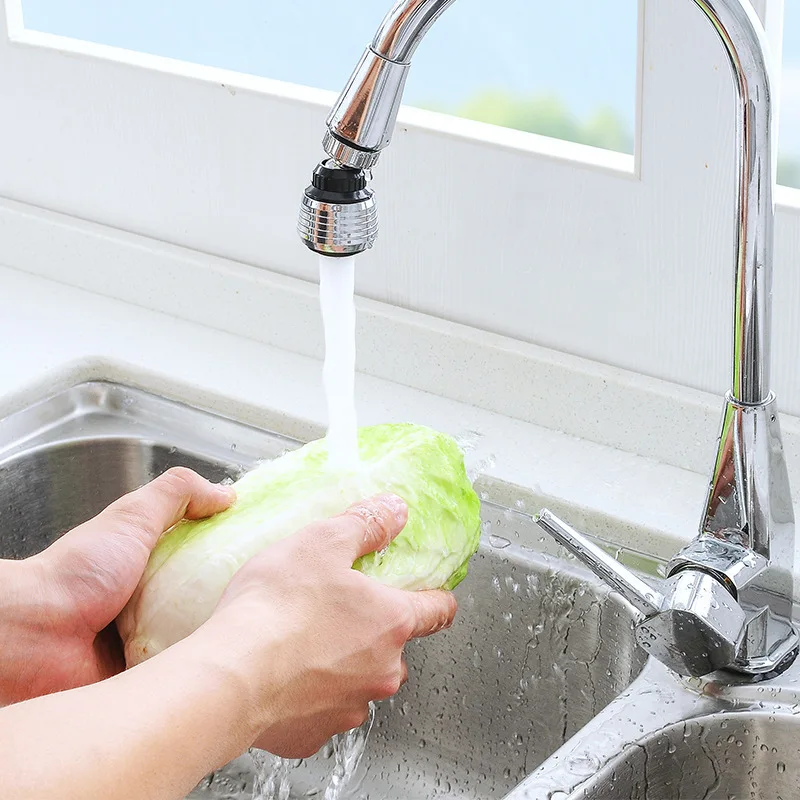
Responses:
[769,668]
[782,657]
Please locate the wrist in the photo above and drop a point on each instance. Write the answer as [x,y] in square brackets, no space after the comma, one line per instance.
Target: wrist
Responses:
[227,650]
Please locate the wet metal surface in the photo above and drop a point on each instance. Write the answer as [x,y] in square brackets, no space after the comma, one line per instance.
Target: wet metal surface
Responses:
[491,698]
[723,757]
[670,738]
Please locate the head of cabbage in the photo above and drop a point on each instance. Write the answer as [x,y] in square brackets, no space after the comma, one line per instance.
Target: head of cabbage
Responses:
[193,562]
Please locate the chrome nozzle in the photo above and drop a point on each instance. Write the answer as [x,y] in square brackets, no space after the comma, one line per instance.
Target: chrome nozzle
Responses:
[338,215]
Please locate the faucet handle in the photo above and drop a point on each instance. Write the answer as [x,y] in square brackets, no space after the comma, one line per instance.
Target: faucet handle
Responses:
[695,627]
[643,597]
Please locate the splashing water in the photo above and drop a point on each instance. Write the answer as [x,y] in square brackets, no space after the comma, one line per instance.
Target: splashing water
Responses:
[336,290]
[273,775]
[348,750]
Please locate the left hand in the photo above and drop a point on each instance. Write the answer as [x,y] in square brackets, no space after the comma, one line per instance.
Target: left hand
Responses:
[57,609]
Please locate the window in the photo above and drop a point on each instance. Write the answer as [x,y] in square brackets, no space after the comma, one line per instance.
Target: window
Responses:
[522,64]
[789,159]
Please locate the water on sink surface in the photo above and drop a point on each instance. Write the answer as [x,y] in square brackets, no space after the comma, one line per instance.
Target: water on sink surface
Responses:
[739,756]
[534,655]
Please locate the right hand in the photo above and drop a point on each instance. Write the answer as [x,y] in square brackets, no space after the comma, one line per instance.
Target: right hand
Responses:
[315,640]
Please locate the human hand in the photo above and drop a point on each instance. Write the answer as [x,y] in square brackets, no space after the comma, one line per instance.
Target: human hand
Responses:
[313,640]
[58,607]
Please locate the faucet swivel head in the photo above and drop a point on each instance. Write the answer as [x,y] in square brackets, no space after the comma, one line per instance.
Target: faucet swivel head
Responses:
[699,627]
[338,215]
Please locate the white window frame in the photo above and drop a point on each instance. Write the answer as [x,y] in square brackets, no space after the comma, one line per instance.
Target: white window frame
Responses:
[615,258]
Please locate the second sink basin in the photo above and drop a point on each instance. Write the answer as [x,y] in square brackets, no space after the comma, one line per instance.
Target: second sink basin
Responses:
[539,647]
[737,756]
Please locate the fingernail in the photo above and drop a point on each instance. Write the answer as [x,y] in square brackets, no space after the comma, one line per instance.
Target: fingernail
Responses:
[227,491]
[397,506]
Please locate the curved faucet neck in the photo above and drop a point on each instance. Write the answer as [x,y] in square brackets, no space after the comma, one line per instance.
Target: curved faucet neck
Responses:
[405,26]
[362,121]
[745,42]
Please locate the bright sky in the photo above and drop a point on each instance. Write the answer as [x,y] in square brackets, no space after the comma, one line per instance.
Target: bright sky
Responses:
[790,89]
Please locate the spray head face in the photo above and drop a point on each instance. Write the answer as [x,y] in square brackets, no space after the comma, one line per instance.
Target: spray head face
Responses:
[338,215]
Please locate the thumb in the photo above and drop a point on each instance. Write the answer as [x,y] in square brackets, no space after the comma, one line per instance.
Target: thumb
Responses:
[363,528]
[143,515]
[178,494]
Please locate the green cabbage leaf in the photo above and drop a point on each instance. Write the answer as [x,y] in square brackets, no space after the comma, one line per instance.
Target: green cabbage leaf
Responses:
[194,561]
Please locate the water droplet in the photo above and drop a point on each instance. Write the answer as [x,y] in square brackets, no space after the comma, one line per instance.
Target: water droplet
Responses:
[584,764]
[499,542]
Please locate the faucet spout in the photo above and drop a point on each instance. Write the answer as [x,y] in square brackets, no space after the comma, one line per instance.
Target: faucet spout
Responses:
[361,123]
[405,26]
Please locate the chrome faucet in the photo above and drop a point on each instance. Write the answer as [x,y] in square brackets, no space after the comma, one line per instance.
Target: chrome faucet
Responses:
[726,602]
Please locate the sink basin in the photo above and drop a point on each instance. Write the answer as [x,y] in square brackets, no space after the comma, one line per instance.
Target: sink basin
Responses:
[533,656]
[719,757]
[539,648]
[65,459]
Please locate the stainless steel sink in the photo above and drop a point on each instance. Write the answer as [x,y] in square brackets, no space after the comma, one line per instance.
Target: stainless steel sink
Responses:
[66,458]
[669,738]
[534,655]
[539,650]
[720,757]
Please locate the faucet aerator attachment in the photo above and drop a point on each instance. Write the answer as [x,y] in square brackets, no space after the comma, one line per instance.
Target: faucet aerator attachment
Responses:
[338,215]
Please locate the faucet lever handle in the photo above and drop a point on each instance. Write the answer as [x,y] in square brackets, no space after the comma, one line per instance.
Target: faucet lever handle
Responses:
[637,592]
[696,627]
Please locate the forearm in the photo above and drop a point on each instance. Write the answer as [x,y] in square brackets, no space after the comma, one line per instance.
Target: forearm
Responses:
[152,732]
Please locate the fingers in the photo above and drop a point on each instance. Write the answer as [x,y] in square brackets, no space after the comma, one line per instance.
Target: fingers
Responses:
[431,612]
[367,526]
[178,494]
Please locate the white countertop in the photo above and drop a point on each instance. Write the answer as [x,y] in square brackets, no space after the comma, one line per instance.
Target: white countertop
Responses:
[58,335]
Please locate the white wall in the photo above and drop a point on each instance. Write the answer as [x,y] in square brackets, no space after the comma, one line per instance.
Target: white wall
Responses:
[578,250]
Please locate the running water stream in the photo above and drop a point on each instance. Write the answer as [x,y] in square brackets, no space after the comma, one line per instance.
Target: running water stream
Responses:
[336,297]
[274,775]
